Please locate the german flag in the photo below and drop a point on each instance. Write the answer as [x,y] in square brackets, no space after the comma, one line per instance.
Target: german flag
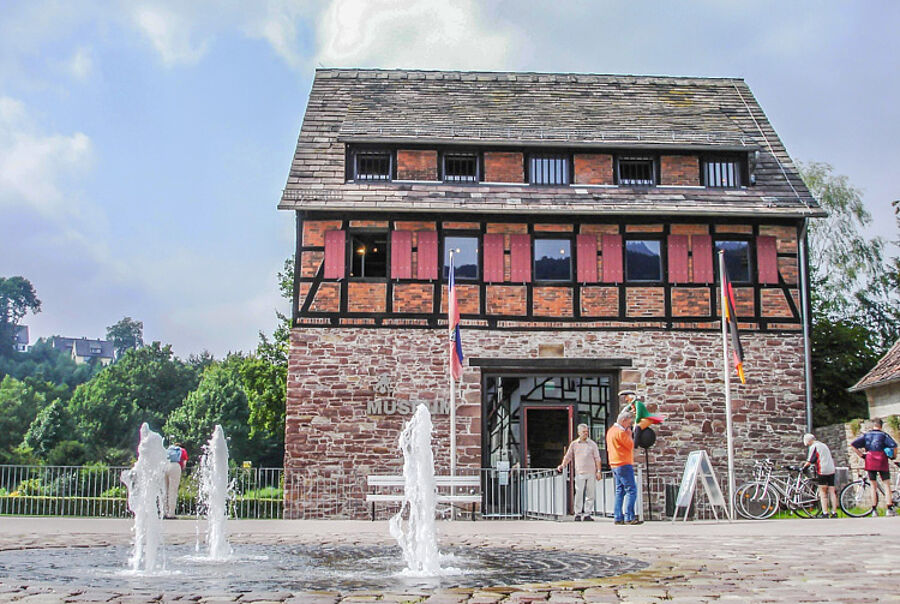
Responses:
[731,316]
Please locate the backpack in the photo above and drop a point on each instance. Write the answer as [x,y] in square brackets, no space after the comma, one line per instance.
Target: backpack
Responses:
[174,454]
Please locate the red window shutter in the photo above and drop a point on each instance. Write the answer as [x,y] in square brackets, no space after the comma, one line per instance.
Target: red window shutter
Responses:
[427,265]
[401,254]
[586,246]
[335,262]
[678,259]
[767,260]
[493,257]
[701,254]
[520,258]
[612,259]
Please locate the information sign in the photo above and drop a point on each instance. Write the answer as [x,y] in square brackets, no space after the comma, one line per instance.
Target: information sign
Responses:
[699,467]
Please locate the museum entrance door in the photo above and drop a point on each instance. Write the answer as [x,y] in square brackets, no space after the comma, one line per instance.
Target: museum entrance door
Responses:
[552,406]
[528,421]
[548,431]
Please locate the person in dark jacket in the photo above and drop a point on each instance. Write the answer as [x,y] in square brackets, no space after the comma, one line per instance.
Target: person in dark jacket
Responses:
[871,447]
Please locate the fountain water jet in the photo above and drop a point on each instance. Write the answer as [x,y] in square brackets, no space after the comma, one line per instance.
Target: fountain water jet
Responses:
[146,499]
[214,494]
[417,536]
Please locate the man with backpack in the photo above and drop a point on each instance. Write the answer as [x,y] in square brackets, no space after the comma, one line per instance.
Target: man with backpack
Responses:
[177,458]
[872,447]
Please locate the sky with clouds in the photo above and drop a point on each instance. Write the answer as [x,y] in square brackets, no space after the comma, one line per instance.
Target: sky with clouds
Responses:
[144,144]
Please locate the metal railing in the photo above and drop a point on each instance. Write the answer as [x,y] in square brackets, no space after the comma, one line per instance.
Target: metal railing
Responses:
[515,493]
[97,491]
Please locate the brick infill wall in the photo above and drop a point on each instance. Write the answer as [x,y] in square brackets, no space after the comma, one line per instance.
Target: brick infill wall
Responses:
[332,443]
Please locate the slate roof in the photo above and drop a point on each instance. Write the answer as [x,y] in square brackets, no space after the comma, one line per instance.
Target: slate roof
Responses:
[82,347]
[886,371]
[22,336]
[540,109]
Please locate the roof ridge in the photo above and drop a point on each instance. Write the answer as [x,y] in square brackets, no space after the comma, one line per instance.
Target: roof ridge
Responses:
[376,70]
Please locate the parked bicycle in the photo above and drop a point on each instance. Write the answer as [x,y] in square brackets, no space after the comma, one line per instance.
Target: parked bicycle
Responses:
[856,499]
[766,493]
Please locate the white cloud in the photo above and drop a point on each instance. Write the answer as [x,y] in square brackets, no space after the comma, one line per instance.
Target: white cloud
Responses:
[422,34]
[32,164]
[81,64]
[280,23]
[170,33]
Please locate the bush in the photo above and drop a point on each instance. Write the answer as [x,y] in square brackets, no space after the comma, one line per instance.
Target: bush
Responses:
[264,493]
[68,453]
[30,486]
[115,492]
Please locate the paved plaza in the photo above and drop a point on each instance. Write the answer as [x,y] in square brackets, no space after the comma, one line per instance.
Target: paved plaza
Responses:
[847,560]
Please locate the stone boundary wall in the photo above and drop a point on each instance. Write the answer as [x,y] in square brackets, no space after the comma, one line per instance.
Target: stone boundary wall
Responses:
[839,436]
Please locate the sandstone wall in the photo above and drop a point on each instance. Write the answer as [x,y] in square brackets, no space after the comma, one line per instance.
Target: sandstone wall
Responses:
[334,374]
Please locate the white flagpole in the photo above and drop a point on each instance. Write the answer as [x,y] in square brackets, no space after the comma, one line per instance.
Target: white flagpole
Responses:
[452,411]
[728,428]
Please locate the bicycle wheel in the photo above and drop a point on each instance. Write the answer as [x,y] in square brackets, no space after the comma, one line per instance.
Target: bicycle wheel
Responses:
[806,501]
[756,502]
[856,499]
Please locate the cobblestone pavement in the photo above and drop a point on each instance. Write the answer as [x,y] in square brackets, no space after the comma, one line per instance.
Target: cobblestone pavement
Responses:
[843,560]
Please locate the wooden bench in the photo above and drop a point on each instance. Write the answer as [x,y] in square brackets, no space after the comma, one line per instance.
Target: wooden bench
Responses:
[445,483]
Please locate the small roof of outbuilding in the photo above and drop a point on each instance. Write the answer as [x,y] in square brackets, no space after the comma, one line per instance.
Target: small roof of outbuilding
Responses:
[511,109]
[885,371]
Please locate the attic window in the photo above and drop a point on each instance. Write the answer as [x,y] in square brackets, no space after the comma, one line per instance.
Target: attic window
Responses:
[96,350]
[372,165]
[461,168]
[722,173]
[636,171]
[548,170]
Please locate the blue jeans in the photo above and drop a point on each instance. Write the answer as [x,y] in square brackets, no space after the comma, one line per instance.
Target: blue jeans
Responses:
[626,491]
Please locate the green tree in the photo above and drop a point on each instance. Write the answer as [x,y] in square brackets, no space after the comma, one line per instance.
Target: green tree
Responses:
[218,399]
[126,335]
[144,386]
[842,353]
[43,366]
[19,405]
[264,376]
[842,260]
[879,301]
[68,453]
[52,426]
[852,325]
[17,298]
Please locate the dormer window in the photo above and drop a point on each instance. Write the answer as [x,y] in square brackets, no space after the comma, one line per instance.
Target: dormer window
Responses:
[372,165]
[460,167]
[548,169]
[722,173]
[636,171]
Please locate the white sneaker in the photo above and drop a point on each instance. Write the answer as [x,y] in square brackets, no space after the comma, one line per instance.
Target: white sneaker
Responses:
[890,512]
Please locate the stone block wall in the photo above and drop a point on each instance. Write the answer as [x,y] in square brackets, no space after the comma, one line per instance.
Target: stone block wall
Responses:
[334,437]
[839,436]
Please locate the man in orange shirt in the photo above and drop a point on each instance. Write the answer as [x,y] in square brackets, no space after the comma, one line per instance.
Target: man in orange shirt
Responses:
[620,448]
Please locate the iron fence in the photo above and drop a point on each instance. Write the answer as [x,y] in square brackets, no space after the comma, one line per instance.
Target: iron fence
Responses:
[97,491]
[514,493]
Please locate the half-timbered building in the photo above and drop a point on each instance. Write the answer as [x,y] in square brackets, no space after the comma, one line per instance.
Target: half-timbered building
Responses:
[585,213]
